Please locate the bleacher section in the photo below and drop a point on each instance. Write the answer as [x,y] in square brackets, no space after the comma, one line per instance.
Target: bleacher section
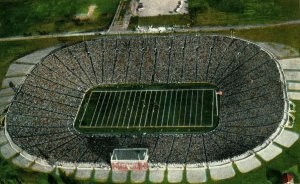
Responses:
[253,107]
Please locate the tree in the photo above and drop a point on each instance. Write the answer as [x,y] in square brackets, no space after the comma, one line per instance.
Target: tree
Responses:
[9,173]
[198,6]
[232,6]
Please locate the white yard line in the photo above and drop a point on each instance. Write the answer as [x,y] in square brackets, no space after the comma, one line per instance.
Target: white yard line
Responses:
[213,105]
[154,90]
[158,109]
[179,113]
[85,108]
[153,109]
[162,118]
[116,111]
[121,109]
[201,108]
[186,102]
[132,108]
[148,109]
[196,108]
[169,108]
[191,109]
[217,104]
[126,109]
[175,108]
[95,109]
[111,109]
[105,109]
[100,109]
[137,109]
[142,110]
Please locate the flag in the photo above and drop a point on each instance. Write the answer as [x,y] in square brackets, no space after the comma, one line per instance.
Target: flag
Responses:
[219,92]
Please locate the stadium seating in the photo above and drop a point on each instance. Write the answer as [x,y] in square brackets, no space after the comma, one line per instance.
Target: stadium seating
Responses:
[40,119]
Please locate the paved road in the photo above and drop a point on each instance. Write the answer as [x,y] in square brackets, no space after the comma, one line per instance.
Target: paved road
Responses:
[193,29]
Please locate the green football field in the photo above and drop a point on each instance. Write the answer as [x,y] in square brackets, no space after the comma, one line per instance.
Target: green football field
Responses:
[148,108]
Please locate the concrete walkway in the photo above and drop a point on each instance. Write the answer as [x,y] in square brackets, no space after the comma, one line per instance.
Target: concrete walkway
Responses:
[17,72]
[291,68]
[186,30]
[248,164]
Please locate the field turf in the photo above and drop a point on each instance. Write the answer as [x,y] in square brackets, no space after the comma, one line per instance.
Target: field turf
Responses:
[149,108]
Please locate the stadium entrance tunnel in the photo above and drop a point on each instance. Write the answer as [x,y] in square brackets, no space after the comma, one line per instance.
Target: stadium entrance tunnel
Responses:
[149,108]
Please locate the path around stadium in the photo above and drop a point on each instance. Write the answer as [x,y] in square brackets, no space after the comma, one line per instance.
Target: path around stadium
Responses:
[192,29]
[291,69]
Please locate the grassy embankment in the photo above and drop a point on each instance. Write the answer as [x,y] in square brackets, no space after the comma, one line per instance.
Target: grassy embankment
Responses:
[43,17]
[12,50]
[288,35]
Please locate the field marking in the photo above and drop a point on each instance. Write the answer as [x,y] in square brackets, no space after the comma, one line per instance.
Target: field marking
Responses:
[126,109]
[196,109]
[121,109]
[116,109]
[217,104]
[196,89]
[111,98]
[132,108]
[191,107]
[201,108]
[153,108]
[162,118]
[186,102]
[212,112]
[105,109]
[158,127]
[137,108]
[142,109]
[158,109]
[169,109]
[85,109]
[179,113]
[147,113]
[174,108]
[95,109]
[100,110]
[111,108]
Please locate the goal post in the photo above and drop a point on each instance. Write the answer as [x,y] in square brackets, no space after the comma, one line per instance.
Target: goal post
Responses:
[129,159]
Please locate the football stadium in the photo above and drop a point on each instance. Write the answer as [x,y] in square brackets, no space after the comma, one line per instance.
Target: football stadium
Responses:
[184,100]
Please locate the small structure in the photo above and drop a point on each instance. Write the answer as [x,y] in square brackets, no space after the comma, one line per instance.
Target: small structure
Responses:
[87,16]
[129,159]
[287,178]
[220,92]
[13,86]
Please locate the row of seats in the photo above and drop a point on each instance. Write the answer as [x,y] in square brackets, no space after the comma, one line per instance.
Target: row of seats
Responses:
[40,119]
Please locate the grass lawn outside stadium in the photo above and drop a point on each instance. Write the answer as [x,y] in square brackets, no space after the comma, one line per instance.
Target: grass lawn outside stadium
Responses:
[45,17]
[155,108]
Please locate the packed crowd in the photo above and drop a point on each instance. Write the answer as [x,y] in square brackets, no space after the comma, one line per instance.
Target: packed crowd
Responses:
[40,119]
